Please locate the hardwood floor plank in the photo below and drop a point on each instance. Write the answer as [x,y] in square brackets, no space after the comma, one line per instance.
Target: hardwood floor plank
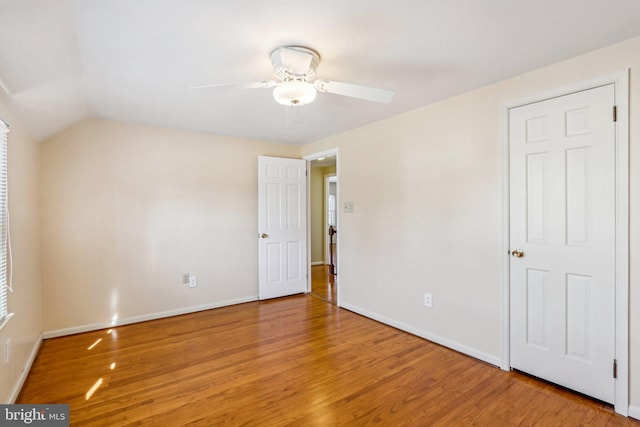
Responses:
[292,361]
[323,284]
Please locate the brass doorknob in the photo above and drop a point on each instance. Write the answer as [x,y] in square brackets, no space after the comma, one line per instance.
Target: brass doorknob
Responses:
[518,253]
[264,235]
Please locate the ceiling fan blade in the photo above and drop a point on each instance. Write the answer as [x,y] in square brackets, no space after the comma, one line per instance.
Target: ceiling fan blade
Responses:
[354,91]
[265,84]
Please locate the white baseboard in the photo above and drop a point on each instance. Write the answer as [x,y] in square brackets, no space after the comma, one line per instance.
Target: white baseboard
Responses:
[144,317]
[634,412]
[317,263]
[469,351]
[25,370]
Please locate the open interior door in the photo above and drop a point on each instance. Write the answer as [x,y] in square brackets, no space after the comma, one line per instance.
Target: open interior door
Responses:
[282,227]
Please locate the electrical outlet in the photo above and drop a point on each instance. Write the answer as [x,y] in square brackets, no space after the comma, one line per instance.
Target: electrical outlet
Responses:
[192,281]
[428,299]
[185,279]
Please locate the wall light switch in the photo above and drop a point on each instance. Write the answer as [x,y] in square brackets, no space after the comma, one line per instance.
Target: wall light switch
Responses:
[348,207]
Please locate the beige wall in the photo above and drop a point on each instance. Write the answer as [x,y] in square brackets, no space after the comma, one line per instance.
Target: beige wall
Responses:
[127,209]
[24,329]
[317,202]
[431,188]
[316,199]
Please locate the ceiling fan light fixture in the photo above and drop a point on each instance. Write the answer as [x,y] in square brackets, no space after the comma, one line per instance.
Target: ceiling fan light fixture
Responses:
[294,93]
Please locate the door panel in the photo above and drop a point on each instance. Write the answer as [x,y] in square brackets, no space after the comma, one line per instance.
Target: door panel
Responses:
[578,325]
[282,227]
[537,220]
[577,191]
[536,335]
[562,215]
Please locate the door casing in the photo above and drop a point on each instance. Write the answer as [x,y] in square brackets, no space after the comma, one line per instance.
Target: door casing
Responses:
[621,83]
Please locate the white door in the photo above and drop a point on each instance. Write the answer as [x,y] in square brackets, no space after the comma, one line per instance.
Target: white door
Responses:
[562,237]
[282,227]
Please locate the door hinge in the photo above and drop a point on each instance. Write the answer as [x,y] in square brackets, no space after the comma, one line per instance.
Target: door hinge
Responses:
[615,113]
[615,368]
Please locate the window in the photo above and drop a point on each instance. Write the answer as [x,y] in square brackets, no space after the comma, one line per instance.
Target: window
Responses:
[4,224]
[331,210]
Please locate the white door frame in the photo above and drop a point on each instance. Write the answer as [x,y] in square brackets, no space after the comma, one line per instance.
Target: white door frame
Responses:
[309,158]
[621,84]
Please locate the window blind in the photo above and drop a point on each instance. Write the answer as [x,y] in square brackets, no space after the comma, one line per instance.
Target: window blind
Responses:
[4,221]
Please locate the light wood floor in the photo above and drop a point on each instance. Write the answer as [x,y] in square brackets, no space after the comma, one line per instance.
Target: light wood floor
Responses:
[323,284]
[296,361]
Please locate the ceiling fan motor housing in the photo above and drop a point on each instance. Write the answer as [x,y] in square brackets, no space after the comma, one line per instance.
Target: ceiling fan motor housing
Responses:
[295,63]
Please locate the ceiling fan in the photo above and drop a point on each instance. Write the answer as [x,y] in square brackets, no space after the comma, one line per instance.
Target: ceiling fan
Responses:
[295,70]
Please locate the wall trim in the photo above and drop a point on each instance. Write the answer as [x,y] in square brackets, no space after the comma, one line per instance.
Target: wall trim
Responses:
[145,317]
[634,412]
[25,371]
[620,81]
[317,263]
[461,348]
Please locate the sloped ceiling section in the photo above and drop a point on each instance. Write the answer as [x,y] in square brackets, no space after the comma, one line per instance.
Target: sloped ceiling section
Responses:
[40,65]
[63,60]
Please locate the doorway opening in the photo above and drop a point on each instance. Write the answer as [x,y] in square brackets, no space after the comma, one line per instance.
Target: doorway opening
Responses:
[323,227]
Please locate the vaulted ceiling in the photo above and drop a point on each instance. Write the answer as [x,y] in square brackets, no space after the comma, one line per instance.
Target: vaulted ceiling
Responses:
[134,60]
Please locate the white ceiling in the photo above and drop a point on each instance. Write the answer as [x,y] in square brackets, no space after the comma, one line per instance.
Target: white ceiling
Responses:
[133,60]
[325,162]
